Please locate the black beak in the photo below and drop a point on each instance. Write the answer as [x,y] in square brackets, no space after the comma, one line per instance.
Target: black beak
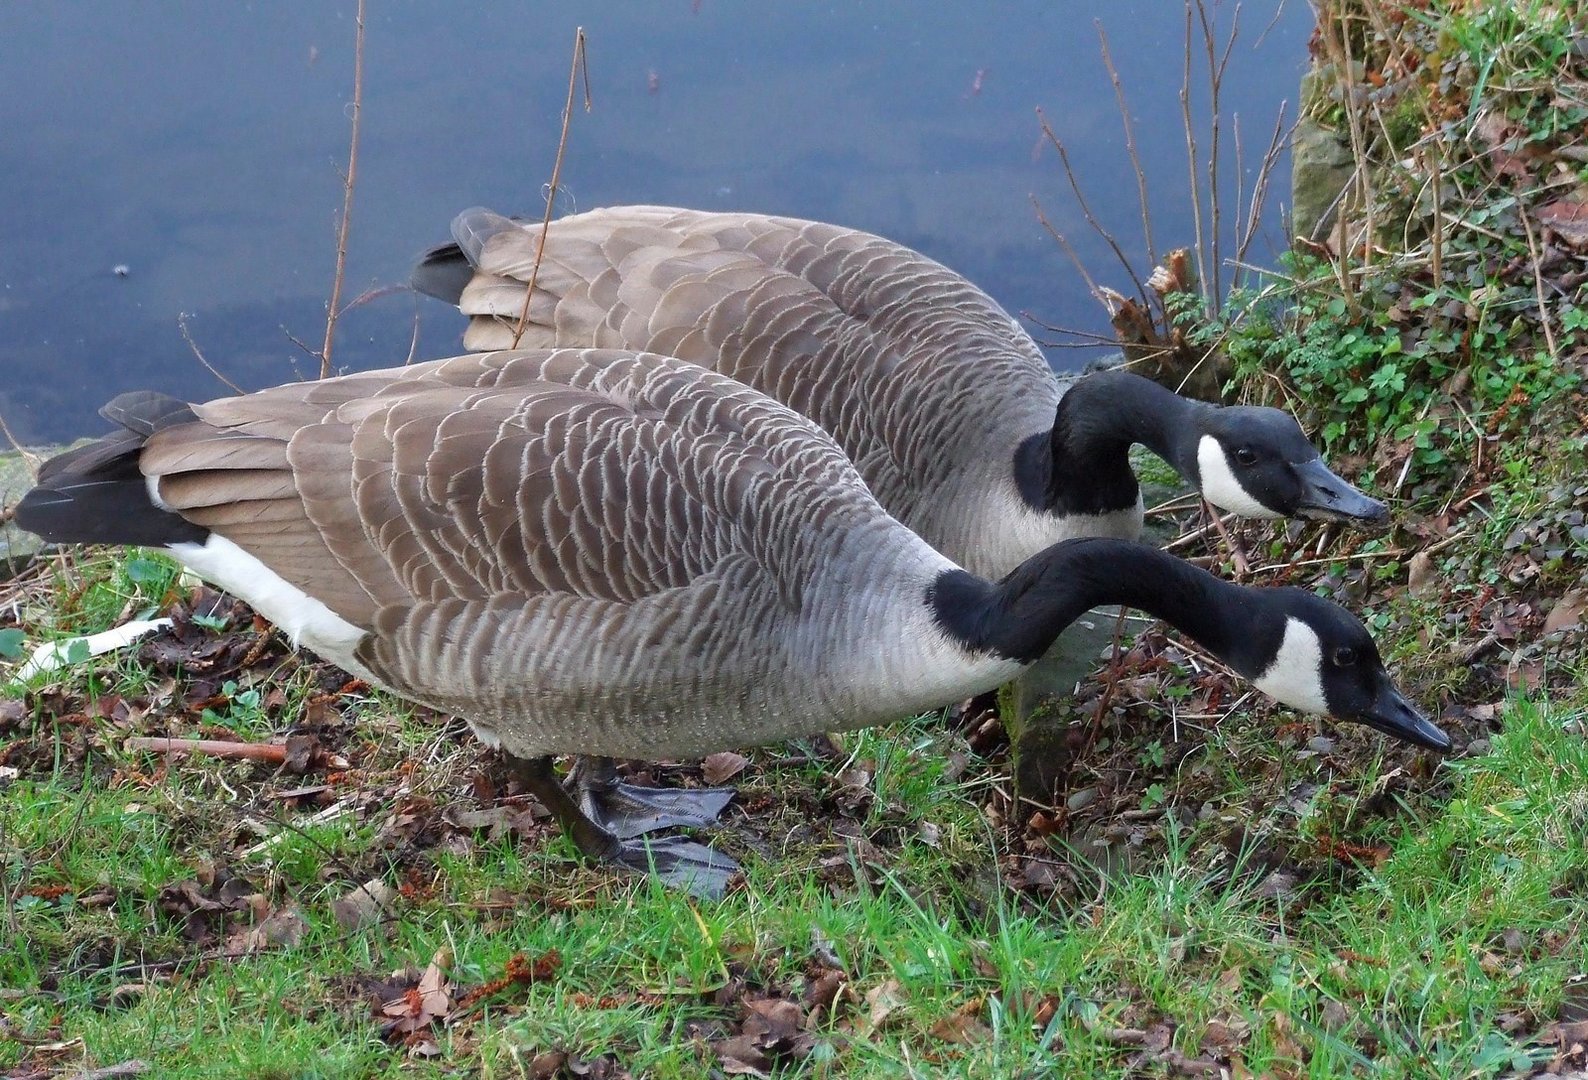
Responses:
[1394,715]
[1325,497]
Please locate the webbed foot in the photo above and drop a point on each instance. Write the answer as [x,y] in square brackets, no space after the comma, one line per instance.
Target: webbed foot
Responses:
[674,860]
[680,863]
[627,811]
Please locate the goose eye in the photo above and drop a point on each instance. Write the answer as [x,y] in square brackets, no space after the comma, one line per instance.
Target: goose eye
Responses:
[1344,657]
[1246,456]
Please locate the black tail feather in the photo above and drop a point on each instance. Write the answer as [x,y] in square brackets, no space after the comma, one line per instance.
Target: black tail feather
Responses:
[443,273]
[96,494]
[147,411]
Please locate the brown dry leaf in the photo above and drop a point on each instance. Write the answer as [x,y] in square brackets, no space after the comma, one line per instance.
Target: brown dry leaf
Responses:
[1525,675]
[434,987]
[1570,610]
[1500,135]
[822,991]
[723,766]
[1284,1045]
[1225,1037]
[773,1032]
[547,1064]
[414,1010]
[301,752]
[963,1025]
[1420,577]
[1569,219]
[280,929]
[740,1056]
[1571,1047]
[881,1001]
[364,905]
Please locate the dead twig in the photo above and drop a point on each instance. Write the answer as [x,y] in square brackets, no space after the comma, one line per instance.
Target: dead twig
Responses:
[333,310]
[1538,285]
[29,458]
[578,64]
[271,753]
[1130,142]
[181,322]
[1086,208]
[1191,155]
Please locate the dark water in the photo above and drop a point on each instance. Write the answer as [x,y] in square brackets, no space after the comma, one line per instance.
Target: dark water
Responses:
[198,146]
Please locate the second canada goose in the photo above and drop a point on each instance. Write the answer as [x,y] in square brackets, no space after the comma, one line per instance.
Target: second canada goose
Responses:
[607,553]
[940,398]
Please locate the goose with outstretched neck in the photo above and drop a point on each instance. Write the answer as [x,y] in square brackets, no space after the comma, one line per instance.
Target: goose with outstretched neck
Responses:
[619,554]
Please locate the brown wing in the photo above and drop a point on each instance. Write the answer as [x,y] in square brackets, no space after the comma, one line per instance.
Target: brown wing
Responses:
[903,361]
[592,474]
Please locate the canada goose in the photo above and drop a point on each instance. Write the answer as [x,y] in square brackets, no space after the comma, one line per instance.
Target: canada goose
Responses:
[607,553]
[940,398]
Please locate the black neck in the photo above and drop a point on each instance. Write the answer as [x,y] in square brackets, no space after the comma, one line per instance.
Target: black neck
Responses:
[1083,466]
[1020,617]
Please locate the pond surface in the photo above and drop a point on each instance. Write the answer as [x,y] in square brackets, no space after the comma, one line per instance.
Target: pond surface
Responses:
[197,147]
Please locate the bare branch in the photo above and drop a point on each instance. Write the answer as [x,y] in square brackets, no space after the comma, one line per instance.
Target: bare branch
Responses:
[30,459]
[1191,156]
[181,322]
[1130,142]
[1091,286]
[1536,259]
[574,68]
[1265,174]
[349,179]
[1086,209]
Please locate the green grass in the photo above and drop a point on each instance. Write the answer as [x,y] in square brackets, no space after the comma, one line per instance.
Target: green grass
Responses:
[1474,915]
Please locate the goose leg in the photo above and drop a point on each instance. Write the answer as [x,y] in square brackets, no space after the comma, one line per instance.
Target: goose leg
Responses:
[674,860]
[626,810]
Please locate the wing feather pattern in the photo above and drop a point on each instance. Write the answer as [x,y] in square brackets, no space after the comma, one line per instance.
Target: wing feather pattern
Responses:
[602,476]
[904,362]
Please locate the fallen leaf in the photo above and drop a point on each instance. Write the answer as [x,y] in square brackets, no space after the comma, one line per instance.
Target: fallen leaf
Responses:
[281,929]
[1570,610]
[1420,577]
[881,1001]
[1278,885]
[301,751]
[962,1025]
[1569,219]
[723,766]
[415,1009]
[366,904]
[823,990]
[1225,1037]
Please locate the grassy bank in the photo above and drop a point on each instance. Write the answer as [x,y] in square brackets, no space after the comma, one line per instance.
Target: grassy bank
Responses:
[1219,890]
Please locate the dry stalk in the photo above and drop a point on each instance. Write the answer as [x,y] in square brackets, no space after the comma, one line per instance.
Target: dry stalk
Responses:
[29,458]
[181,322]
[349,179]
[1130,141]
[1265,175]
[1191,154]
[1217,65]
[1364,170]
[577,65]
[1538,284]
[1086,209]
[1068,249]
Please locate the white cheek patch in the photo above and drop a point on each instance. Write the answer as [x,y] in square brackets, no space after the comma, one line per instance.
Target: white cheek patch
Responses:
[1295,677]
[1219,485]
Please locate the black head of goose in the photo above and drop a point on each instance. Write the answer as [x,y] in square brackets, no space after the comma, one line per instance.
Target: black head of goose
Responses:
[1249,460]
[940,398]
[607,553]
